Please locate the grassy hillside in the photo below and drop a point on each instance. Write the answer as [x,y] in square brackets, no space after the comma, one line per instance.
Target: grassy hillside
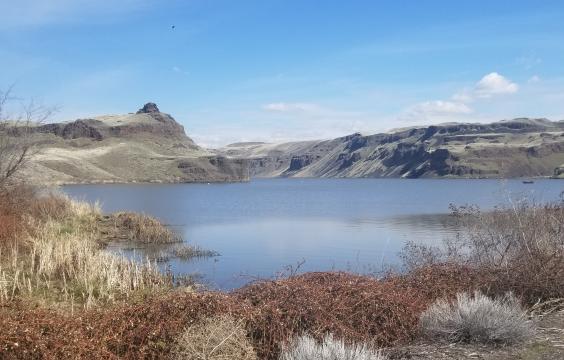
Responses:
[147,146]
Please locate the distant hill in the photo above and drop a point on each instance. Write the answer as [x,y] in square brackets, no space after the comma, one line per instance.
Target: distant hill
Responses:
[147,146]
[510,148]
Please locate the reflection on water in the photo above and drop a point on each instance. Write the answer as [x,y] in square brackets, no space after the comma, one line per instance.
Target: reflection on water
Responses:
[263,226]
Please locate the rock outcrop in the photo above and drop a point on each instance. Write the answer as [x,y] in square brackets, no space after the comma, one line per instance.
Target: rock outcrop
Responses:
[149,108]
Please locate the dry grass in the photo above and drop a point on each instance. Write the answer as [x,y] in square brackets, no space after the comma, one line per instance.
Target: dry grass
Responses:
[144,229]
[181,251]
[306,348]
[216,338]
[58,258]
[477,318]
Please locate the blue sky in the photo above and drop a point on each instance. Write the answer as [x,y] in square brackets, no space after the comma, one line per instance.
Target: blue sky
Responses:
[276,70]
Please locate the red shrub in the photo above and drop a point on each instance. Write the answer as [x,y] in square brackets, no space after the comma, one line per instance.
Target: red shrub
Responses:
[352,307]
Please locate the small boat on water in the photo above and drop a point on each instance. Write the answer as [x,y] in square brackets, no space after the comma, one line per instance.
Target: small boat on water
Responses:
[528,182]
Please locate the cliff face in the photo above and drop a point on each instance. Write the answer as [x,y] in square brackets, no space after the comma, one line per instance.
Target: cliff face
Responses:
[514,148]
[148,146]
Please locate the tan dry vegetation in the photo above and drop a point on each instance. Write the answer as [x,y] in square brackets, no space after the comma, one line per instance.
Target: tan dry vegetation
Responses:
[142,228]
[59,258]
[215,338]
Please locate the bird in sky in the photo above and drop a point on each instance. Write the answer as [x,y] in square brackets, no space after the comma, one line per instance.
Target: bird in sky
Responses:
[173,27]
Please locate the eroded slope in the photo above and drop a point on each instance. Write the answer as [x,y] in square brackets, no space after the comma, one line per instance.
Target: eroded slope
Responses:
[514,148]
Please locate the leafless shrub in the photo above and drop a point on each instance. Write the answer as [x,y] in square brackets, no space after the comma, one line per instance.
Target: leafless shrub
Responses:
[521,245]
[477,318]
[217,338]
[16,145]
[306,348]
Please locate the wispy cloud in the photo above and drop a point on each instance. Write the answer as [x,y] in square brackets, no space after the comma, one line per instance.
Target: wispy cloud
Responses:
[534,79]
[528,61]
[440,107]
[29,13]
[284,107]
[178,70]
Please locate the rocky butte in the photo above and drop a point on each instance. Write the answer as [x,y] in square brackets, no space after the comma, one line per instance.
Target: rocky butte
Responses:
[146,146]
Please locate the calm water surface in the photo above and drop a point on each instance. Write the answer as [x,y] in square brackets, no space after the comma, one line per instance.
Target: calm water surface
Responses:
[261,227]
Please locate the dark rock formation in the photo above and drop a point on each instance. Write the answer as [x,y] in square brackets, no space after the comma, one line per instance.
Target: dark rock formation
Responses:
[82,128]
[149,108]
[300,161]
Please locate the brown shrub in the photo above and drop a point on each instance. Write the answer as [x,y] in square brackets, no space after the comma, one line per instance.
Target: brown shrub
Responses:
[9,227]
[50,206]
[517,248]
[436,281]
[14,204]
[351,307]
[146,330]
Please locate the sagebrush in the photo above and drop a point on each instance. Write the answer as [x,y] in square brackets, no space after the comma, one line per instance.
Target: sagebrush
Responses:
[477,318]
[307,348]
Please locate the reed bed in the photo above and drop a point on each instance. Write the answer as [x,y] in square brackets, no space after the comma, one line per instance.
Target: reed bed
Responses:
[59,259]
[146,229]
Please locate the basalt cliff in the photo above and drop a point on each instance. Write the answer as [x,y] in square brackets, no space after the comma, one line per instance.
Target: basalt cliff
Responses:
[505,149]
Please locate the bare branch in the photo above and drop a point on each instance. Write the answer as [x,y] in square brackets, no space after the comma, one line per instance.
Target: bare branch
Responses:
[16,132]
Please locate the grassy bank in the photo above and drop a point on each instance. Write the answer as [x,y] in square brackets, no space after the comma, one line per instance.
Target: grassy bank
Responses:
[52,252]
[53,261]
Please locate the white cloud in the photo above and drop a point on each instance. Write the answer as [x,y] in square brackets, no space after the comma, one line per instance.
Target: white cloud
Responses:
[437,110]
[489,86]
[465,96]
[291,107]
[494,84]
[439,107]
